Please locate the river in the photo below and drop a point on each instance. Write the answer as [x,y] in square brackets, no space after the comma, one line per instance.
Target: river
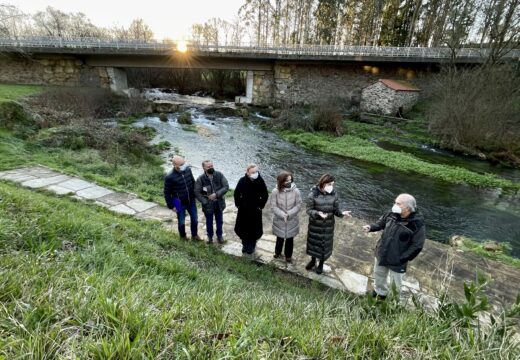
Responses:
[365,188]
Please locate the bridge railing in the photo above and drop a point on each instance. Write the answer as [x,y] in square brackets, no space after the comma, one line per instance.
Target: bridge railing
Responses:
[279,51]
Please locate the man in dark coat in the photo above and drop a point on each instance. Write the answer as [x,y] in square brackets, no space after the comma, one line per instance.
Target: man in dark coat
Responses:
[210,189]
[179,195]
[322,206]
[402,240]
[250,198]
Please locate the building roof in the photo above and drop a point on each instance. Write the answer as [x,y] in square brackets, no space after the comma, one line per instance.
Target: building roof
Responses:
[399,85]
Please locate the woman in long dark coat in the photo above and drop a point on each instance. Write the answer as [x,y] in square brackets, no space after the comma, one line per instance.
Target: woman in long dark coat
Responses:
[322,206]
[250,198]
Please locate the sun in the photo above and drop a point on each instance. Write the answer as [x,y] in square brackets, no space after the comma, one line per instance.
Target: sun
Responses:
[182,46]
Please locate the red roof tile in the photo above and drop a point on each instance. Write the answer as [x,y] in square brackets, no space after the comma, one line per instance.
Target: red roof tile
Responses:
[399,85]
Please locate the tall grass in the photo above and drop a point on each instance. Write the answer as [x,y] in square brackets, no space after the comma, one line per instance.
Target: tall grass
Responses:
[79,282]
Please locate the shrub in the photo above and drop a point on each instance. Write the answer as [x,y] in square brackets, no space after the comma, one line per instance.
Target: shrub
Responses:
[14,117]
[89,102]
[185,118]
[476,110]
[116,145]
[163,117]
[328,117]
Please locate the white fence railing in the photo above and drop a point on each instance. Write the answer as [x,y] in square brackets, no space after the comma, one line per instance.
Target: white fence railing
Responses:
[245,49]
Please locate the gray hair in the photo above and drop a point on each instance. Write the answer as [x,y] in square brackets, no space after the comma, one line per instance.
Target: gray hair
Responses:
[409,201]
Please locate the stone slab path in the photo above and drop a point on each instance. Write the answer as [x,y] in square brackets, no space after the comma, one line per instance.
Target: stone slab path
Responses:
[437,269]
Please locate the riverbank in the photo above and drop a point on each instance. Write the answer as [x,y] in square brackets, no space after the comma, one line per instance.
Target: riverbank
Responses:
[123,287]
[361,149]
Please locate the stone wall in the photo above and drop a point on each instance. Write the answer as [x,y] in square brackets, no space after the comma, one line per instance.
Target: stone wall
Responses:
[380,99]
[263,83]
[51,70]
[307,84]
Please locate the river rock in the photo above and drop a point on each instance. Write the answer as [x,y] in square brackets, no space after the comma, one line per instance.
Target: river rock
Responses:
[164,106]
[456,241]
[163,117]
[492,246]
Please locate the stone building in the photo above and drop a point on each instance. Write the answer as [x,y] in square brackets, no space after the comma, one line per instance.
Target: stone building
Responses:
[389,97]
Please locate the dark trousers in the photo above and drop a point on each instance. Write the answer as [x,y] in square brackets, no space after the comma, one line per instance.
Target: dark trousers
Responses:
[181,217]
[248,246]
[217,213]
[288,246]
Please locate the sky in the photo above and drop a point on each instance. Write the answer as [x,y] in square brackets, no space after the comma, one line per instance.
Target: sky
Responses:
[167,19]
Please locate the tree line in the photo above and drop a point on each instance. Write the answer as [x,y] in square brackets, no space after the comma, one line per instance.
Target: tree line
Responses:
[425,23]
[56,23]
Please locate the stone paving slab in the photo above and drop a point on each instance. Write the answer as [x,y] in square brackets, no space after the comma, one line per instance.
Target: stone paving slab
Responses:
[116,198]
[42,182]
[354,282]
[16,177]
[75,184]
[140,205]
[122,209]
[59,190]
[157,213]
[266,245]
[93,192]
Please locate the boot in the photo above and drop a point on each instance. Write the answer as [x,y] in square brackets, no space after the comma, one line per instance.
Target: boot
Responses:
[319,269]
[311,264]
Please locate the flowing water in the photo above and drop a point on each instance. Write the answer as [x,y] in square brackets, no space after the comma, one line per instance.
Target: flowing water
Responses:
[366,189]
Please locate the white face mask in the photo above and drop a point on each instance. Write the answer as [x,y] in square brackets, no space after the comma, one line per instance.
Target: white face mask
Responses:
[183,167]
[328,188]
[396,209]
[254,175]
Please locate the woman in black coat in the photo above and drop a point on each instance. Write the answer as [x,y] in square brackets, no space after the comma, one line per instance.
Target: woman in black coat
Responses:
[250,198]
[322,206]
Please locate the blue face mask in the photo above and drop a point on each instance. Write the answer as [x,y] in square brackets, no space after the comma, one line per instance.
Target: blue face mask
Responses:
[183,167]
[396,209]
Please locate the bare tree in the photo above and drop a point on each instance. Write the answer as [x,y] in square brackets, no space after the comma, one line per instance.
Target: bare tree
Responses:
[139,30]
[500,32]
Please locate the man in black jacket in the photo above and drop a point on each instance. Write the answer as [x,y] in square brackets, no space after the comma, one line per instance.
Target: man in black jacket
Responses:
[180,196]
[210,189]
[402,240]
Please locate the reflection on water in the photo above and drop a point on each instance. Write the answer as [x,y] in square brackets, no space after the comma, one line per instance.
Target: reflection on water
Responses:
[366,189]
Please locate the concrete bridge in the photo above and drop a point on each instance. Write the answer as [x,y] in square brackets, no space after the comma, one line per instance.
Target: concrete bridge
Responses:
[275,74]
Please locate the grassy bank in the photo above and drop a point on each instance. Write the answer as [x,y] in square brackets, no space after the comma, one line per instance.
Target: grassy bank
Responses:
[357,148]
[80,282]
[110,167]
[14,92]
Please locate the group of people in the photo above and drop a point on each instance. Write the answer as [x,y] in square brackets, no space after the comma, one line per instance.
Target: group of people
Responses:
[403,227]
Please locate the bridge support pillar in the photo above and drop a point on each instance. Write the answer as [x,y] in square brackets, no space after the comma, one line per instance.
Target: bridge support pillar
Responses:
[248,99]
[117,80]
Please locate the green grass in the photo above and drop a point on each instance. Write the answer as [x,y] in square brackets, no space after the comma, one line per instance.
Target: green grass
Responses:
[501,255]
[15,92]
[144,179]
[77,281]
[355,147]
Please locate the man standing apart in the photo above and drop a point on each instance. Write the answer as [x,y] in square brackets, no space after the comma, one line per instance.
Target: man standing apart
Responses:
[210,189]
[402,240]
[180,196]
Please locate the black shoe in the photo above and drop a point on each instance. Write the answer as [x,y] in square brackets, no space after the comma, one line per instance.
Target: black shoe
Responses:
[196,238]
[183,237]
[319,270]
[377,296]
[209,241]
[220,240]
[288,260]
[276,256]
[311,264]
